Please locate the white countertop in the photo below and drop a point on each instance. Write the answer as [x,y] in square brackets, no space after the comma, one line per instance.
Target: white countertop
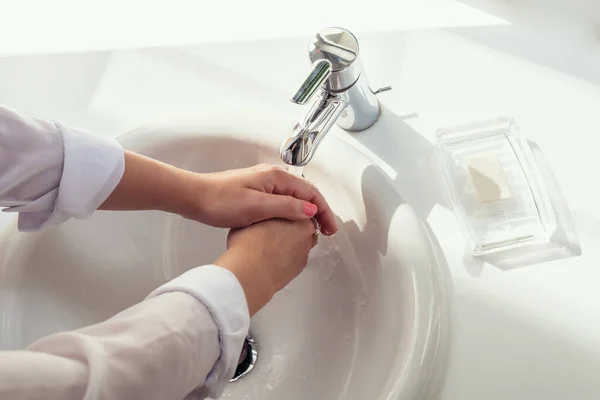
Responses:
[528,333]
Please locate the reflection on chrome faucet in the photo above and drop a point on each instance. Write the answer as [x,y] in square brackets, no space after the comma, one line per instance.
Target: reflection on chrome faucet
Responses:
[336,91]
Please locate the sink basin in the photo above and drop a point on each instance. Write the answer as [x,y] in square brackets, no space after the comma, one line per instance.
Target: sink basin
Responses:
[365,320]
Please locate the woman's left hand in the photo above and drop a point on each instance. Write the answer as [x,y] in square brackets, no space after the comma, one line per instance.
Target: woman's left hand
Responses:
[239,198]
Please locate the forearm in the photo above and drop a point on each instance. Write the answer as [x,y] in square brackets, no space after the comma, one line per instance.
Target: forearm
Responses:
[252,276]
[37,156]
[187,335]
[162,348]
[149,184]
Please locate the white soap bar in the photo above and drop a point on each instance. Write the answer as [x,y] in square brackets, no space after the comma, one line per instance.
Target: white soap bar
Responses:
[488,178]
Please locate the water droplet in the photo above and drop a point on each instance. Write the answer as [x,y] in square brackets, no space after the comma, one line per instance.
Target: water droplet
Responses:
[298,171]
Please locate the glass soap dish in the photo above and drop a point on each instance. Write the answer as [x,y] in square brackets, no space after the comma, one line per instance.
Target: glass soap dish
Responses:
[497,189]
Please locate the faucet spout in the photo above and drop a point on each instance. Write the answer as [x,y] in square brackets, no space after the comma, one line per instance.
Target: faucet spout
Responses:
[336,91]
[310,128]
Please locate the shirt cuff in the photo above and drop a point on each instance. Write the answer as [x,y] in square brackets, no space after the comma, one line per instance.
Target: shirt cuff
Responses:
[92,168]
[221,293]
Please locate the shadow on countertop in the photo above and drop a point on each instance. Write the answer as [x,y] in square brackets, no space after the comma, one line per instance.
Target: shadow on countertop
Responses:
[411,156]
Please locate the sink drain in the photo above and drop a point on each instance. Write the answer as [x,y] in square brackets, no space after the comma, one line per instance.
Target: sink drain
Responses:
[247,359]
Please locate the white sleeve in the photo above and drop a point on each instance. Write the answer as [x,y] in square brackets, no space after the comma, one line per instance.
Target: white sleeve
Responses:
[185,339]
[50,173]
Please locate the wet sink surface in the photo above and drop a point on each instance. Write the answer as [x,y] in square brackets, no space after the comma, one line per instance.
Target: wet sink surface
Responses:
[365,320]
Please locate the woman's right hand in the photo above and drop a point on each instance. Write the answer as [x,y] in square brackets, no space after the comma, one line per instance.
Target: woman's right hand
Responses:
[266,256]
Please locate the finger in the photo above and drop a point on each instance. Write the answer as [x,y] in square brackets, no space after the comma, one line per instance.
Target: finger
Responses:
[269,206]
[288,184]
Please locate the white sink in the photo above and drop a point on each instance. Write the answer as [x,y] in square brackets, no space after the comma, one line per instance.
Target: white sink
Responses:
[365,320]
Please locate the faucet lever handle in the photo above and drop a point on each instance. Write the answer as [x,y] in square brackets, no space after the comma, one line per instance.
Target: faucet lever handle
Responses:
[321,70]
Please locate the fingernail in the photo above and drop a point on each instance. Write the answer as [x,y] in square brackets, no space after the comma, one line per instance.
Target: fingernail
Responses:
[310,209]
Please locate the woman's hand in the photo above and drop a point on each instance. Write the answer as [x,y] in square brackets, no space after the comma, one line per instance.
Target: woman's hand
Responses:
[231,199]
[239,198]
[266,256]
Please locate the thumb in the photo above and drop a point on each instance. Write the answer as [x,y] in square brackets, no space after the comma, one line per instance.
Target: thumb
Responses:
[285,207]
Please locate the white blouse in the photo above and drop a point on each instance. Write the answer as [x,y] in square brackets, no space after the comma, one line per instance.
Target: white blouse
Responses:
[183,341]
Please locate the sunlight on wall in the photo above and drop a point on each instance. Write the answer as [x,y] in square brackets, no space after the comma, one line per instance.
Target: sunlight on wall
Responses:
[52,26]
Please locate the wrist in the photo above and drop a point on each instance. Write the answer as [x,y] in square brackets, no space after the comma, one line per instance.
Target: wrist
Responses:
[251,274]
[194,190]
[185,197]
[176,201]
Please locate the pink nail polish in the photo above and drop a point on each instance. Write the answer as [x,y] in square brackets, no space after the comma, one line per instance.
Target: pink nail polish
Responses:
[310,209]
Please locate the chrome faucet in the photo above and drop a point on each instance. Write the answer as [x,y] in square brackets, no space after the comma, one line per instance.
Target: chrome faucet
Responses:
[336,91]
